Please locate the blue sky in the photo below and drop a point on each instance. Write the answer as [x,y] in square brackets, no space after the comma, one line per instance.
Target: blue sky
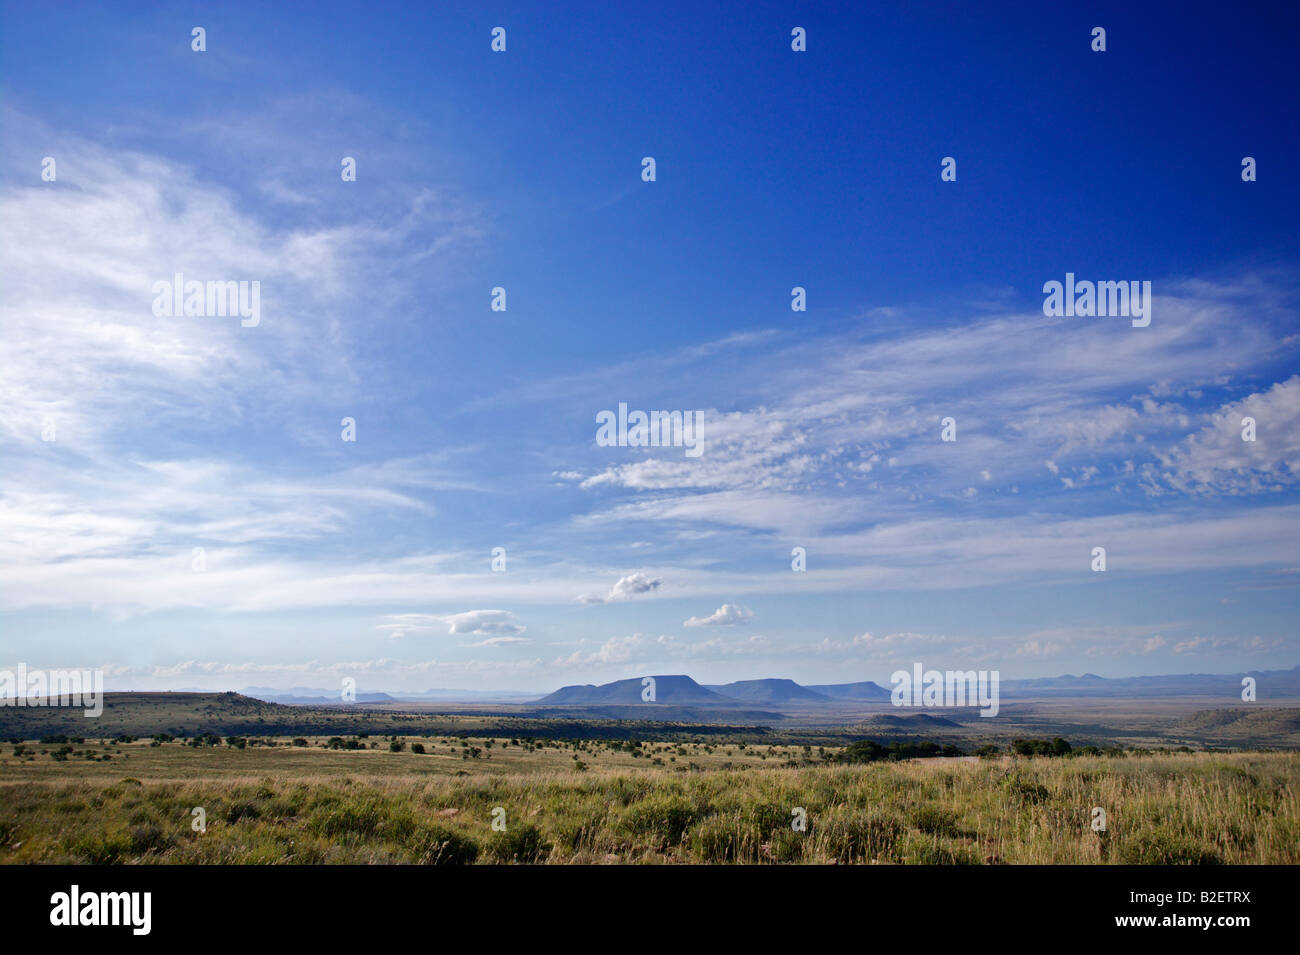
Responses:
[476,429]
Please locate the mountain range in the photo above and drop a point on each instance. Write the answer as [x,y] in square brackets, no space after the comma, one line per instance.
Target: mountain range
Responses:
[681,689]
[317,696]
[684,690]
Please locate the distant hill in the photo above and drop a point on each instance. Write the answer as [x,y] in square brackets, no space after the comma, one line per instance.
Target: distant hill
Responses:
[148,713]
[768,691]
[230,714]
[867,691]
[1269,684]
[677,689]
[734,713]
[1273,684]
[301,696]
[315,696]
[683,690]
[1243,723]
[266,692]
[917,721]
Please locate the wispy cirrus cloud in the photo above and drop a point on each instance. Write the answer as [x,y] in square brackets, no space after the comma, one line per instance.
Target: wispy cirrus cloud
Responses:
[181,433]
[498,626]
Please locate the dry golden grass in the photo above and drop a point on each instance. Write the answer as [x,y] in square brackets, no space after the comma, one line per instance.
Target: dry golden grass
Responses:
[313,805]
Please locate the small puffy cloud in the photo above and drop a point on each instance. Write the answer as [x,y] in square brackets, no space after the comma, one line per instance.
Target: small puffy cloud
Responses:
[633,585]
[625,588]
[728,615]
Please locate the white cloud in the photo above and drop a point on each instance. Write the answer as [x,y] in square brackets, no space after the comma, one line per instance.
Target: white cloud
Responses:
[497,642]
[625,588]
[484,623]
[499,626]
[163,424]
[1216,460]
[728,615]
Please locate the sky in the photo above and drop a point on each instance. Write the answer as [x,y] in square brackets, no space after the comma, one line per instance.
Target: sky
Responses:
[179,505]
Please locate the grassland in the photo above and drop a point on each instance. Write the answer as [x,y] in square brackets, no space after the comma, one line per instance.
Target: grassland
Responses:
[618,802]
[1191,721]
[192,714]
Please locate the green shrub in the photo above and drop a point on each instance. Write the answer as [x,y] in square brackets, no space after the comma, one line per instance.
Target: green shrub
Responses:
[724,839]
[859,837]
[788,845]
[1164,848]
[242,810]
[362,819]
[1041,747]
[437,845]
[926,849]
[935,821]
[1025,791]
[523,844]
[668,817]
[768,816]
[148,838]
[575,831]
[100,848]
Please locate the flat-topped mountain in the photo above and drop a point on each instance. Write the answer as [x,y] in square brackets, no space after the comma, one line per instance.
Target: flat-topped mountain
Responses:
[684,690]
[865,691]
[769,691]
[779,691]
[678,688]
